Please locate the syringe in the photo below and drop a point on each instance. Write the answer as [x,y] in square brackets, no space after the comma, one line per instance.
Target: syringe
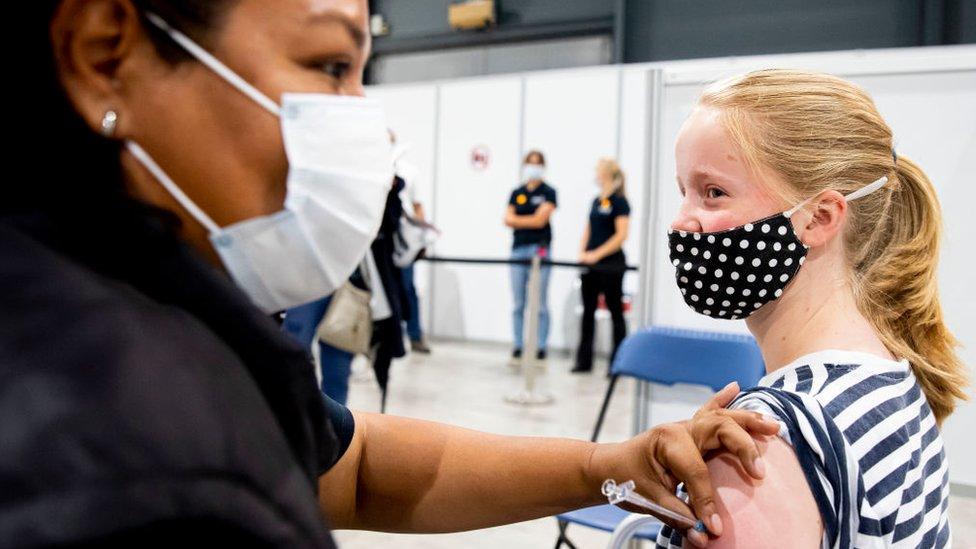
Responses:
[619,493]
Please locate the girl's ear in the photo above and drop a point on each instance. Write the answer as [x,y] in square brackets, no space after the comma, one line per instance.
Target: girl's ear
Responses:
[821,219]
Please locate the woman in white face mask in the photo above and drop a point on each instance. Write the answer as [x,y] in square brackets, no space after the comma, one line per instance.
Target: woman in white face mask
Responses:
[530,206]
[200,172]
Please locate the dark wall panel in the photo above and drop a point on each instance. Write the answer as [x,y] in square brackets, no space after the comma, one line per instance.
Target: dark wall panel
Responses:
[681,29]
[962,22]
[655,30]
[413,18]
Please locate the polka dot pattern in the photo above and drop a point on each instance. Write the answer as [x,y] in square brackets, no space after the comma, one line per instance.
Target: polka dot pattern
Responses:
[765,255]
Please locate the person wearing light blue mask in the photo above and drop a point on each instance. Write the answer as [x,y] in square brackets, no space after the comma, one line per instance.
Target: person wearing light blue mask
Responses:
[530,207]
[208,163]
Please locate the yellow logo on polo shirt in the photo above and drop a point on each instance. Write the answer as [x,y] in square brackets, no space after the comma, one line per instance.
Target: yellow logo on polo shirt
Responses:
[605,205]
[521,199]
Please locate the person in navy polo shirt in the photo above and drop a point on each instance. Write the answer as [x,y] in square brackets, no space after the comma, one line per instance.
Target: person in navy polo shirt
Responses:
[529,209]
[602,245]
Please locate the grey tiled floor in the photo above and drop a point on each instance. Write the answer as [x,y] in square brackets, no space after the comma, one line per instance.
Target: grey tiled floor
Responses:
[465,384]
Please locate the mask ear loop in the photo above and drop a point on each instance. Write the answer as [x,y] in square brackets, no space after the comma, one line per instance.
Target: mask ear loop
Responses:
[789,213]
[867,189]
[143,157]
[214,64]
[860,193]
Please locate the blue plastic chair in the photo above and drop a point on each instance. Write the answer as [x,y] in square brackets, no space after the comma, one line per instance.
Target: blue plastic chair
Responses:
[668,356]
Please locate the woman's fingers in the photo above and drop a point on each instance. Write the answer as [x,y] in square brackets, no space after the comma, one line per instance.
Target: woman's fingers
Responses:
[678,449]
[698,539]
[667,499]
[672,502]
[739,442]
[724,429]
[682,456]
[722,398]
[754,422]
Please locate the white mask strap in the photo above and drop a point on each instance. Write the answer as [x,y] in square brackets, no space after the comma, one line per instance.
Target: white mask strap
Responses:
[214,64]
[860,193]
[143,157]
[866,190]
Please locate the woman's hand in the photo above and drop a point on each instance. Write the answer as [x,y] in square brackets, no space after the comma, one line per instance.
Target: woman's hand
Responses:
[661,458]
[588,258]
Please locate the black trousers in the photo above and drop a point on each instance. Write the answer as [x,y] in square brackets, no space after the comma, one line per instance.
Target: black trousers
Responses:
[611,286]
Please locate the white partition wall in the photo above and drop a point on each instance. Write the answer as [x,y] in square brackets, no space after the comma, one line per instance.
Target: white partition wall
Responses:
[934,121]
[411,113]
[571,116]
[574,118]
[929,99]
[478,158]
[632,153]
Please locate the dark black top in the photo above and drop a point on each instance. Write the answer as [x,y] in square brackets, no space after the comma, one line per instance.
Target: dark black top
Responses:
[145,401]
[526,202]
[388,333]
[603,217]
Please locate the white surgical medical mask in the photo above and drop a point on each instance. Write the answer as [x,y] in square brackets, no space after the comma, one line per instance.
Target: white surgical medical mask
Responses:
[340,170]
[533,172]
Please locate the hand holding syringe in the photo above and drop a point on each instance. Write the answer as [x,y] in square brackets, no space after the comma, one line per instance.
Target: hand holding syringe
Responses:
[619,493]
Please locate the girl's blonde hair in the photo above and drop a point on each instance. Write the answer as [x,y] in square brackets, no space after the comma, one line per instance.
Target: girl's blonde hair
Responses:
[613,168]
[820,132]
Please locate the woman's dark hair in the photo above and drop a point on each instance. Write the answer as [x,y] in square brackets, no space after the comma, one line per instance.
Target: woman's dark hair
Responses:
[79,169]
[195,18]
[536,153]
[65,188]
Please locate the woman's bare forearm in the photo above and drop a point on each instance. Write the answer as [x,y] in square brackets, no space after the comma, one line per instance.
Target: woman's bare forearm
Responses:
[406,475]
[417,476]
[611,246]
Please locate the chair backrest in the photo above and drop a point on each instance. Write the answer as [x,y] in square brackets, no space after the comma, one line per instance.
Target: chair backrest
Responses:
[675,355]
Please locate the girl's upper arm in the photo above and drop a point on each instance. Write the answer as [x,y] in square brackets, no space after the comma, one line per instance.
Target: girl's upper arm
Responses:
[777,511]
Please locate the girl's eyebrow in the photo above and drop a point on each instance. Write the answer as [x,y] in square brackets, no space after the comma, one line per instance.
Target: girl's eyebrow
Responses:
[710,175]
[706,174]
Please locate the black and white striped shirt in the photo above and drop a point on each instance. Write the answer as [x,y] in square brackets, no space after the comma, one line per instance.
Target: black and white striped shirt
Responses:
[868,445]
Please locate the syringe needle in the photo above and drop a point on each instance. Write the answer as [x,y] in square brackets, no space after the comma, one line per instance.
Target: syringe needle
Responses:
[625,492]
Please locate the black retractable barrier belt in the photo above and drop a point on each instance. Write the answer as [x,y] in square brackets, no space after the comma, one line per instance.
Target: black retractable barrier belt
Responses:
[545,262]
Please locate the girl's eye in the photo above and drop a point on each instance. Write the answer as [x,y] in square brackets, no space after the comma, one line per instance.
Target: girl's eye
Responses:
[715,192]
[335,69]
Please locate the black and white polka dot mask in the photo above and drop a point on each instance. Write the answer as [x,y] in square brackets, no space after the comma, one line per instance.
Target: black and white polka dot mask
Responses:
[731,274]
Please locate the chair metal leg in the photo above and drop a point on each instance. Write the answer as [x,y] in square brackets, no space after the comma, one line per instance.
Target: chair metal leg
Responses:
[562,539]
[603,408]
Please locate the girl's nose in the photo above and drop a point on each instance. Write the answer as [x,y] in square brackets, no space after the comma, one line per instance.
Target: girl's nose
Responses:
[686,220]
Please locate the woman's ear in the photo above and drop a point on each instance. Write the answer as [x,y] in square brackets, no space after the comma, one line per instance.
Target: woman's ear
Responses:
[92,41]
[822,218]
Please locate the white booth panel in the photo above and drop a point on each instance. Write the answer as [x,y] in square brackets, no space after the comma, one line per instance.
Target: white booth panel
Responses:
[633,150]
[933,117]
[477,167]
[668,307]
[571,116]
[411,113]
